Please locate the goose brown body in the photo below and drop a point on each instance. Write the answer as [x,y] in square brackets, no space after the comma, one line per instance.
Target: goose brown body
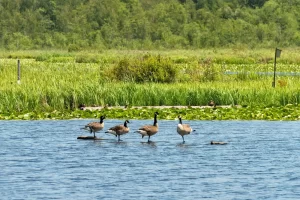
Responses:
[94,127]
[119,130]
[183,129]
[149,130]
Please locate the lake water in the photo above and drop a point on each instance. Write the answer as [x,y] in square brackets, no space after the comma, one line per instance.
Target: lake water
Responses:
[44,160]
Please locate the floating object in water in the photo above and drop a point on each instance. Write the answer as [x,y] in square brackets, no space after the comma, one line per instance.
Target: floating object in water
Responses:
[217,143]
[89,138]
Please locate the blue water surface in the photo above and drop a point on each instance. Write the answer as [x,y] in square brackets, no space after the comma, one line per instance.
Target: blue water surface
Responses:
[44,160]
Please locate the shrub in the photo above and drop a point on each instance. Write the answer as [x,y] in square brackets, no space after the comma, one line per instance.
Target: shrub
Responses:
[149,68]
[73,48]
[86,58]
[210,72]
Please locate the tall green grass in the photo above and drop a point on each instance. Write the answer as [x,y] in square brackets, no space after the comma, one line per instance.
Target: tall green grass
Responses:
[50,97]
[62,80]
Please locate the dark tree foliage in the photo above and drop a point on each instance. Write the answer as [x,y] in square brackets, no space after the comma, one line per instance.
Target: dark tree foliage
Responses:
[255,3]
[148,24]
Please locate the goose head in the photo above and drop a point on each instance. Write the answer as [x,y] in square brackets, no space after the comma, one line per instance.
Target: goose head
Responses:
[155,118]
[102,118]
[126,122]
[179,117]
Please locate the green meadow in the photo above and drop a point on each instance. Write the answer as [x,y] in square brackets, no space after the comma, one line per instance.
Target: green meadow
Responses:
[54,83]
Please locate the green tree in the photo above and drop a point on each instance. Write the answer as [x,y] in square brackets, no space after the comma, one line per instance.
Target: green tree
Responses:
[148,23]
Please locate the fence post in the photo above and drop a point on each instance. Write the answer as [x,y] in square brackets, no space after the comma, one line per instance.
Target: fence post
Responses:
[277,55]
[19,72]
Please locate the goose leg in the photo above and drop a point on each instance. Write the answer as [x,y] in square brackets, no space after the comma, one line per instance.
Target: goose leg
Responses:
[183,139]
[119,138]
[149,139]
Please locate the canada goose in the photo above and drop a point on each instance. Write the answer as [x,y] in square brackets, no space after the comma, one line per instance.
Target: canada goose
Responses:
[212,103]
[95,126]
[119,130]
[183,129]
[149,130]
[81,106]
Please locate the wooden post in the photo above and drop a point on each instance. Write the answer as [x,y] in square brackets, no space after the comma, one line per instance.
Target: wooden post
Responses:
[277,54]
[19,72]
[273,83]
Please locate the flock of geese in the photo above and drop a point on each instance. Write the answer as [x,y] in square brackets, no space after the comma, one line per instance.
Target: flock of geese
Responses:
[146,130]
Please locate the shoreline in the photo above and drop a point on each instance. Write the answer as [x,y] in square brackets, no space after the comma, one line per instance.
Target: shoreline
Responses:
[93,108]
[222,112]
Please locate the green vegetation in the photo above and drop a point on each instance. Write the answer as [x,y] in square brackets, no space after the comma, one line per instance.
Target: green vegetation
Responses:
[54,84]
[148,24]
[149,53]
[149,68]
[288,112]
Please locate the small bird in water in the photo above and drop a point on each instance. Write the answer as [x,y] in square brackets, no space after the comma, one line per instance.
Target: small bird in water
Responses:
[149,130]
[119,130]
[183,129]
[94,127]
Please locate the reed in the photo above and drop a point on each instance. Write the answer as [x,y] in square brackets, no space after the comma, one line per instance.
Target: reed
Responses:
[62,80]
[60,97]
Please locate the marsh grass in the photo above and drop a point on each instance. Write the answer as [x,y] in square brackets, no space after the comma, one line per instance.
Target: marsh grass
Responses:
[63,80]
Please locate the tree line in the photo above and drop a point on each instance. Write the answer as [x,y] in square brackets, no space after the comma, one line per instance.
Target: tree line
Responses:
[148,24]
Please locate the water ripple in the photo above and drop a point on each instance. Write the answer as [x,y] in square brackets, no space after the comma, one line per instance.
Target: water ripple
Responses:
[44,160]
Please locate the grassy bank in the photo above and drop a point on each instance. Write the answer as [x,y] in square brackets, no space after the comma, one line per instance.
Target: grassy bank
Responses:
[56,96]
[288,112]
[61,81]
